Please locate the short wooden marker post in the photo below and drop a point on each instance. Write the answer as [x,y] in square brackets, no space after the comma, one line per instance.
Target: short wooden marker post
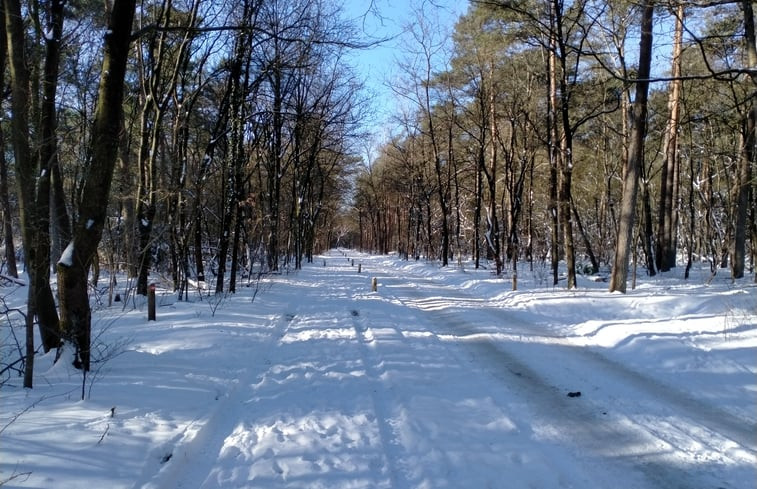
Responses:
[374,284]
[151,303]
[359,267]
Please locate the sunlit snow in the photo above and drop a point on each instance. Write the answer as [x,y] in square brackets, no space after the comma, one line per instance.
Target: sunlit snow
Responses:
[443,378]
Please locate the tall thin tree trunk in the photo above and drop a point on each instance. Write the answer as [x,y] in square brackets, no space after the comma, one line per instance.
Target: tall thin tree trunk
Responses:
[5,204]
[48,152]
[8,236]
[552,138]
[565,160]
[692,222]
[666,249]
[748,154]
[480,162]
[585,238]
[636,155]
[492,231]
[646,232]
[274,172]
[741,200]
[33,181]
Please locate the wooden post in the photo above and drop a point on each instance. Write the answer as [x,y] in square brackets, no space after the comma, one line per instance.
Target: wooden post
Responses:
[151,303]
[359,267]
[515,281]
[353,263]
[374,284]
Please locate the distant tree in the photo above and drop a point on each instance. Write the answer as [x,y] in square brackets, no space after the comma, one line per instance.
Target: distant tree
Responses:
[428,100]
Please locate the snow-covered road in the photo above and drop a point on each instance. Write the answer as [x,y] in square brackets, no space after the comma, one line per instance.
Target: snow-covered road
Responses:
[422,385]
[439,379]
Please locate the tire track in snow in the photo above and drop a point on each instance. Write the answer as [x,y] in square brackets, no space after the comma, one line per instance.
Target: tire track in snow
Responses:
[379,395]
[308,419]
[446,426]
[188,459]
[559,464]
[616,438]
[708,415]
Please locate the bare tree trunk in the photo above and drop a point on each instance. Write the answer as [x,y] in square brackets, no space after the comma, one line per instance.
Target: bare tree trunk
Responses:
[480,162]
[5,204]
[748,153]
[33,180]
[647,225]
[74,264]
[666,249]
[492,232]
[275,165]
[158,79]
[8,237]
[741,200]
[554,155]
[624,243]
[585,239]
[566,216]
[48,152]
[692,222]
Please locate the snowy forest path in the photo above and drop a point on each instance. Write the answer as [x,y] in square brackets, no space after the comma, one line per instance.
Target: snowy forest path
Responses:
[421,384]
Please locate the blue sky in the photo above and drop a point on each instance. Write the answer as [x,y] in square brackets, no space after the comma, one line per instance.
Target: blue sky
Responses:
[381,19]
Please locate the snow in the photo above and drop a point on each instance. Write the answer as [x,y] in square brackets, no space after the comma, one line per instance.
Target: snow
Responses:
[67,257]
[441,378]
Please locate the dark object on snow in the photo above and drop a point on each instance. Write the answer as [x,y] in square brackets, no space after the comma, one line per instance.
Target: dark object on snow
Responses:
[151,302]
[574,394]
[117,298]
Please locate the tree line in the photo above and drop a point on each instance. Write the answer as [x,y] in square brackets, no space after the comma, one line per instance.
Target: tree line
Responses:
[178,140]
[598,134]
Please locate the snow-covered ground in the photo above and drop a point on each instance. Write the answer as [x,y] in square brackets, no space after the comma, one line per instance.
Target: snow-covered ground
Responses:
[442,378]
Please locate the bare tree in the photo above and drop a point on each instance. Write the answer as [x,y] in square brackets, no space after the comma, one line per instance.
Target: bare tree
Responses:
[666,249]
[748,155]
[161,57]
[33,174]
[5,205]
[635,156]
[74,265]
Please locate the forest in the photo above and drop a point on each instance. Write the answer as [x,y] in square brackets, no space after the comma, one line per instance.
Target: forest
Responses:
[189,142]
